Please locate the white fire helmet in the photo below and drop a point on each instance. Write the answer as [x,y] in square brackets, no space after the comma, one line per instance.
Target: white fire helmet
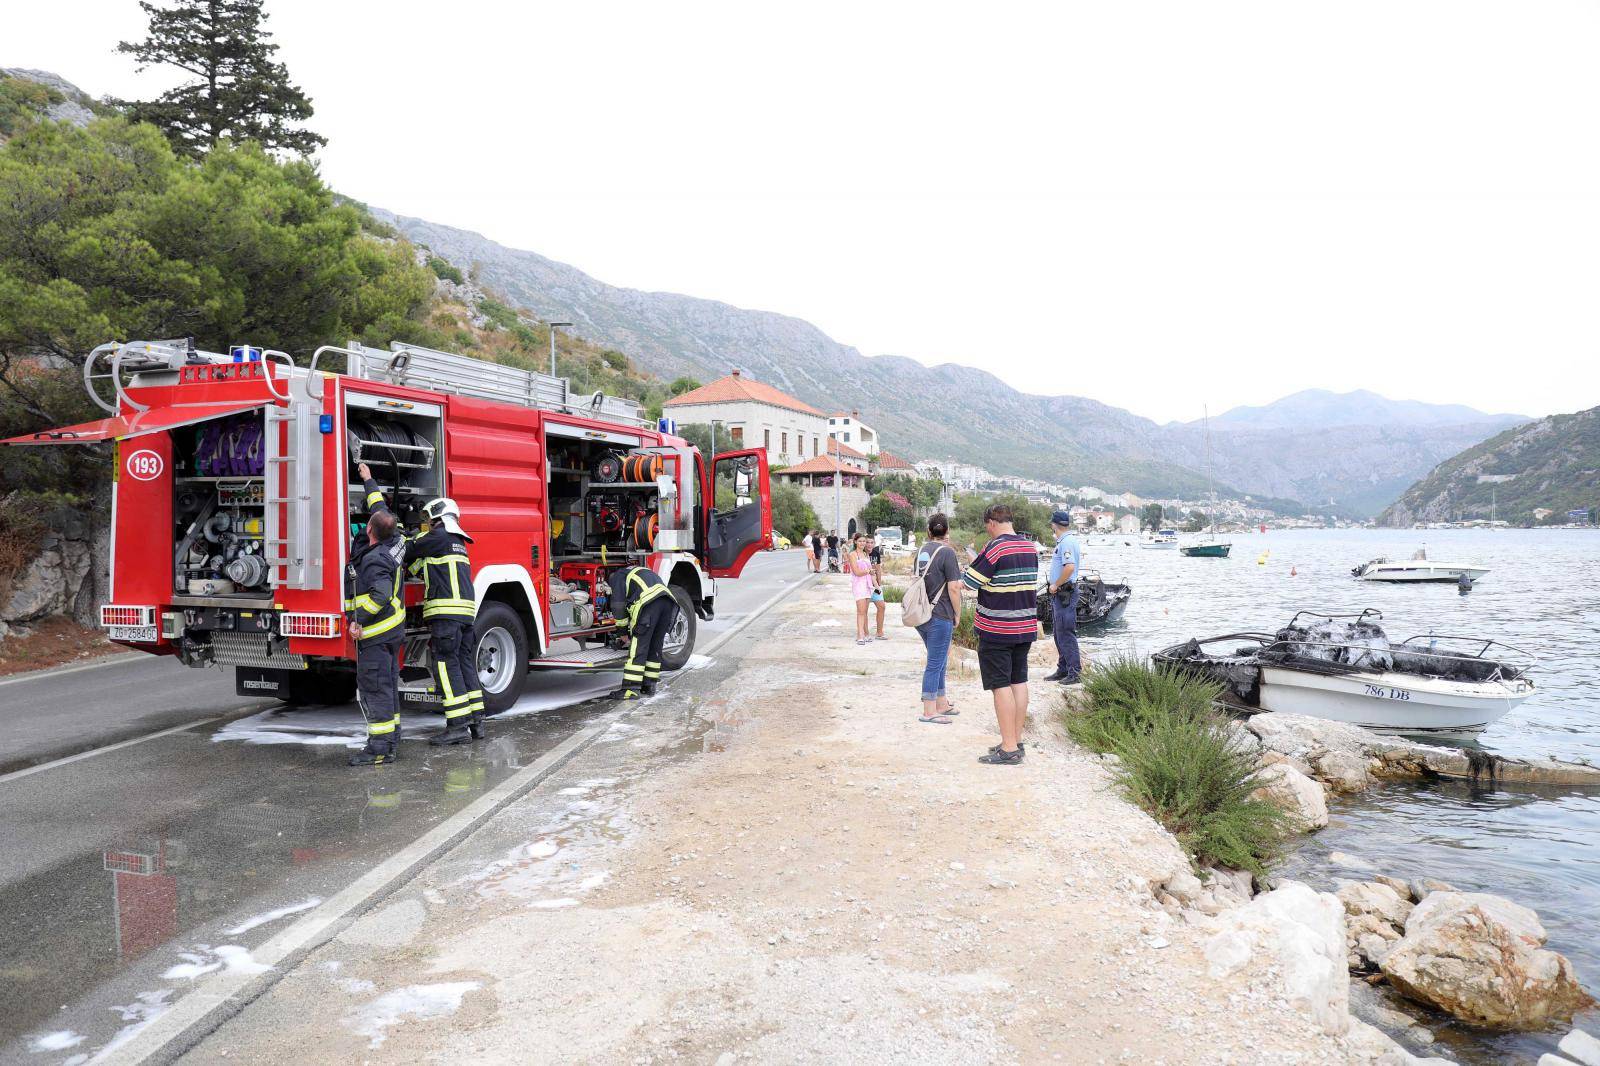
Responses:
[444,512]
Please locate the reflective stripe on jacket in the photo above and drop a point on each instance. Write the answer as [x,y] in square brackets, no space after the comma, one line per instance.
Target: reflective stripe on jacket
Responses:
[440,558]
[631,588]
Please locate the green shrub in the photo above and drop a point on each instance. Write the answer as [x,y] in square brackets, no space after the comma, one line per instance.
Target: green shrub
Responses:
[444,270]
[1179,761]
[614,359]
[966,633]
[893,593]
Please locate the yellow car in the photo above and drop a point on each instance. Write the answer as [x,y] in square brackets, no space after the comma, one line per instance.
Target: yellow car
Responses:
[780,543]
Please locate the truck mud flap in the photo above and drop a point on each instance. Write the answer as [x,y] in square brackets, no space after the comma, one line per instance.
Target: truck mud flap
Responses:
[255,681]
[412,699]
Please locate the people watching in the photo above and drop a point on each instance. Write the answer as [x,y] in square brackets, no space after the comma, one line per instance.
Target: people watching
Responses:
[1062,579]
[1005,575]
[858,564]
[940,571]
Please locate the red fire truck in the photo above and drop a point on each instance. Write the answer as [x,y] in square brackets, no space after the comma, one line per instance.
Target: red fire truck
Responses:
[236,498]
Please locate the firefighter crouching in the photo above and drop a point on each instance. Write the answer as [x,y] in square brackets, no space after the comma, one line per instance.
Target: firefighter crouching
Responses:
[449,606]
[643,604]
[378,622]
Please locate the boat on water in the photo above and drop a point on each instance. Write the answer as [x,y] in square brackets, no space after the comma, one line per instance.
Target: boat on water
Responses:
[1210,547]
[1100,602]
[1346,669]
[1166,538]
[1418,568]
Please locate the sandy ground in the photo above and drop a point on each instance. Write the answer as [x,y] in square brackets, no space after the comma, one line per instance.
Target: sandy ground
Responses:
[786,866]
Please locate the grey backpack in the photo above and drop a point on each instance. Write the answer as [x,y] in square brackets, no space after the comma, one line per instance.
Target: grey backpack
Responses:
[915,607]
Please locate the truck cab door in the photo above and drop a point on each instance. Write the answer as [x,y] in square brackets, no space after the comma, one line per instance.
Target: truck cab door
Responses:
[738,511]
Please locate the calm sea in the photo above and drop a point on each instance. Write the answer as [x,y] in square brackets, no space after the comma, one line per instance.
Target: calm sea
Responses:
[1542,595]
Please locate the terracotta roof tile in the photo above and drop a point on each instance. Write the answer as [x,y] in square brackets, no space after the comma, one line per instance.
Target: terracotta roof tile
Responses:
[736,388]
[822,464]
[892,462]
[836,447]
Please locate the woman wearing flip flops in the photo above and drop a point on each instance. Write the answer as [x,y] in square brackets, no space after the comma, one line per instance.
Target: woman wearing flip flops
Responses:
[940,572]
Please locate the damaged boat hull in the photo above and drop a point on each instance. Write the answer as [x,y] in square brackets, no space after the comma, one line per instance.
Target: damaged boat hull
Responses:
[1392,702]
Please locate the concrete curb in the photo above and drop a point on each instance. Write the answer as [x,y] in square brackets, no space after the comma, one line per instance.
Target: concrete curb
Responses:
[57,671]
[199,1013]
[222,996]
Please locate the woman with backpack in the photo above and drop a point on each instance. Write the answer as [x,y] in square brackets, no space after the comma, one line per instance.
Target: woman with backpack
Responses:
[932,604]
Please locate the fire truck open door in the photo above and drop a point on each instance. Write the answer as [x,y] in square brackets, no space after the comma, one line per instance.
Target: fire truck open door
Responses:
[738,511]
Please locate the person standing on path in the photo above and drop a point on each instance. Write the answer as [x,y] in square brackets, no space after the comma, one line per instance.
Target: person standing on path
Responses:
[878,601]
[1063,586]
[817,548]
[833,550]
[859,566]
[940,572]
[1005,575]
[805,546]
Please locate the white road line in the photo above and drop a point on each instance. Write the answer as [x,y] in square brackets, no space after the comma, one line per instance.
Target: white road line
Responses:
[62,671]
[51,765]
[200,1012]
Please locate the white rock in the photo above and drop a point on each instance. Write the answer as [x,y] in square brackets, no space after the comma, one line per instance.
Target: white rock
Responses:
[1579,1046]
[1482,959]
[1371,897]
[1304,800]
[1184,886]
[1342,771]
[1301,933]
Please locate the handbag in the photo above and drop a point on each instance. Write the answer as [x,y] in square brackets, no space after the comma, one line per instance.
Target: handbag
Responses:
[916,608]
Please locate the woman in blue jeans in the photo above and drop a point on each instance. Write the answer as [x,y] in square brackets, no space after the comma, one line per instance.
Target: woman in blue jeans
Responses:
[940,571]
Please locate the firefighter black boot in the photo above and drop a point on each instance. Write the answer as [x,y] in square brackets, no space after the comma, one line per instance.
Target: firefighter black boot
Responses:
[370,756]
[456,731]
[475,725]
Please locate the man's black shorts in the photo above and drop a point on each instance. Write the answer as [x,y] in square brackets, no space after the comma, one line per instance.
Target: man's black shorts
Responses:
[1003,664]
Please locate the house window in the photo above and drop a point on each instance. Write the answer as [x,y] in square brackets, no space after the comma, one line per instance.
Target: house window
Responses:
[737,433]
[766,439]
[816,445]
[784,450]
[847,437]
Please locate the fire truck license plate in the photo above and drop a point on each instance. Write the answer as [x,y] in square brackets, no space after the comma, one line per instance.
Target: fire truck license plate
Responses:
[134,634]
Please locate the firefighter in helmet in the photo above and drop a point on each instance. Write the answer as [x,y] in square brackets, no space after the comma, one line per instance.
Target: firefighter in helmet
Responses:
[377,615]
[438,555]
[642,604]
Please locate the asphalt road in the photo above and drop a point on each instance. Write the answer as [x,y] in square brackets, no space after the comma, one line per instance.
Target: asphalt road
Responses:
[128,868]
[59,713]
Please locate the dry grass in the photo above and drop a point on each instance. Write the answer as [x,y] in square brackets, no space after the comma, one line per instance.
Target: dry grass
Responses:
[52,642]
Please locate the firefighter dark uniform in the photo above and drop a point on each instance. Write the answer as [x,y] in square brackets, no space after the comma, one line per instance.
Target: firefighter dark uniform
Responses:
[449,606]
[375,602]
[643,604]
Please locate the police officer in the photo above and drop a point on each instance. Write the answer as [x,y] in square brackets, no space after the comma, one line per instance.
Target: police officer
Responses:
[643,604]
[377,621]
[449,606]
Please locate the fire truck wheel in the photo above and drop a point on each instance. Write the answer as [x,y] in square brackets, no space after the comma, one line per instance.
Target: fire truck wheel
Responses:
[502,656]
[680,638]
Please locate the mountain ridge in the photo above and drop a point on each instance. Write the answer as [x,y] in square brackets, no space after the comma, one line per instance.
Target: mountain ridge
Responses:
[1551,464]
[1325,408]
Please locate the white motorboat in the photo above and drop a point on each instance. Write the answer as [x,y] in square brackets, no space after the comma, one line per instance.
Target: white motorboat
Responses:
[1344,668]
[1166,538]
[1418,568]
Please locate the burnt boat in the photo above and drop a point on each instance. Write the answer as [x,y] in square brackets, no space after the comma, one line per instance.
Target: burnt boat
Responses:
[1100,602]
[1346,669]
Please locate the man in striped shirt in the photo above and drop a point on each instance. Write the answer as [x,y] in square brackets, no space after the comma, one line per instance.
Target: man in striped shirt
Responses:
[1005,575]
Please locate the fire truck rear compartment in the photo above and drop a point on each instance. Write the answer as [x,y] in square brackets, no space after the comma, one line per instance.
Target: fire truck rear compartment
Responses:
[219,510]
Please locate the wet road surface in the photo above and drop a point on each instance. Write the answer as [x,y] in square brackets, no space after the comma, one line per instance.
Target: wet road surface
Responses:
[134,869]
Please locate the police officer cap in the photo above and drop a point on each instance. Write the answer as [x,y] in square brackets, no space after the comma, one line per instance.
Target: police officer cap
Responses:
[1061,518]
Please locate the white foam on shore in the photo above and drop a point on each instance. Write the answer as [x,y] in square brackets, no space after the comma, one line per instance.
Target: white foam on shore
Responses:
[146,1008]
[59,1040]
[553,904]
[700,662]
[272,916]
[412,1001]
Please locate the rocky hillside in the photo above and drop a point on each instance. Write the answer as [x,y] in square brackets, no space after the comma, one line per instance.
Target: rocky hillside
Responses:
[963,412]
[1535,472]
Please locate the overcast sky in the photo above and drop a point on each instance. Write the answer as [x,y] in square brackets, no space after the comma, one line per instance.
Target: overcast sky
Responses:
[1158,205]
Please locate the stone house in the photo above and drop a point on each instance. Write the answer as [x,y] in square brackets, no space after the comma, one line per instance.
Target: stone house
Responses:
[815,478]
[753,414]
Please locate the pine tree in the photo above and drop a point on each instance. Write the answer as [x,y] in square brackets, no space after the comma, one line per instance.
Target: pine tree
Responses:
[240,93]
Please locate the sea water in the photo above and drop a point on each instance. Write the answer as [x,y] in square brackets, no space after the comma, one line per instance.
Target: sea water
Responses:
[1542,595]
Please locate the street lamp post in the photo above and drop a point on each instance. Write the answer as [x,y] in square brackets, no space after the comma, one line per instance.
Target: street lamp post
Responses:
[553,326]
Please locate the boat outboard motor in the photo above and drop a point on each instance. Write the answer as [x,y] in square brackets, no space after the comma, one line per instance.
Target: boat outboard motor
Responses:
[1464,584]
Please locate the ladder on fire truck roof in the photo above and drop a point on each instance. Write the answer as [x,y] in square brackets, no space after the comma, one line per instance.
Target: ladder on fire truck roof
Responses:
[462,375]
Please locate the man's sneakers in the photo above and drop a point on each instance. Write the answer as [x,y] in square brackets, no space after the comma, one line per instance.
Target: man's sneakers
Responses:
[1022,746]
[1003,758]
[368,757]
[1056,675]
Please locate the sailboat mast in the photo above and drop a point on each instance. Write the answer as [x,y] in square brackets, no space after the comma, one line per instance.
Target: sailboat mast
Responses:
[1211,485]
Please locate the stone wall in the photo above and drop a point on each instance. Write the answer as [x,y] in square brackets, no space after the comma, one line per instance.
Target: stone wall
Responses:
[67,577]
[851,503]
